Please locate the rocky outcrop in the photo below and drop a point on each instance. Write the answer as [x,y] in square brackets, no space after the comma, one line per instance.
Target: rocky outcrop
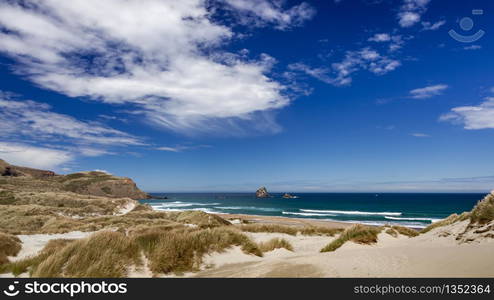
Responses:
[262,192]
[288,196]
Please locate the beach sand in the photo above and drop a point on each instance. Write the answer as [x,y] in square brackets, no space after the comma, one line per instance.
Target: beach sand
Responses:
[428,255]
[282,221]
[436,253]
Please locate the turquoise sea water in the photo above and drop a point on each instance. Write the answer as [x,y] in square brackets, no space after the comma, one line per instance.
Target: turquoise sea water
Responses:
[411,210]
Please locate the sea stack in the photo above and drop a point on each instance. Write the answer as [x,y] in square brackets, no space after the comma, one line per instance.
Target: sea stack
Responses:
[288,196]
[262,192]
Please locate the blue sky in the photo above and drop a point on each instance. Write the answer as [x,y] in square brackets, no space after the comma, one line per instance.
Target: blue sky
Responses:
[228,95]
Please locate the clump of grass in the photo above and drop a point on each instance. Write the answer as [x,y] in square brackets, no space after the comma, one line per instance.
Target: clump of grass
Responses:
[448,221]
[320,230]
[110,254]
[199,218]
[7,198]
[181,251]
[275,243]
[271,228]
[291,230]
[405,231]
[28,264]
[103,254]
[357,233]
[391,232]
[10,245]
[483,212]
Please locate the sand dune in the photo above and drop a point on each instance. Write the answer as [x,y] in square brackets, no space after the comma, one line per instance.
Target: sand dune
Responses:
[429,255]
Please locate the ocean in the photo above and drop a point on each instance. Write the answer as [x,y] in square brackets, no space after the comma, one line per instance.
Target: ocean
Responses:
[415,210]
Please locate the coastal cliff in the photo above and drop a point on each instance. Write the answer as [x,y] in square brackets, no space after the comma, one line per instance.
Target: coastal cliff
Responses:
[85,183]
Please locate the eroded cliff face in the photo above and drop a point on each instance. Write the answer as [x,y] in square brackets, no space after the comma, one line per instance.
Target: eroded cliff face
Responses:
[85,183]
[102,184]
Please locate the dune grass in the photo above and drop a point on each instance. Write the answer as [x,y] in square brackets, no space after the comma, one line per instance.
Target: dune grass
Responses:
[182,250]
[270,228]
[10,245]
[392,232]
[111,254]
[483,212]
[320,230]
[291,230]
[405,231]
[448,221]
[275,243]
[358,233]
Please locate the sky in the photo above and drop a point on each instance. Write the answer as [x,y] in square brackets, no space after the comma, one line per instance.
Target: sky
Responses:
[230,95]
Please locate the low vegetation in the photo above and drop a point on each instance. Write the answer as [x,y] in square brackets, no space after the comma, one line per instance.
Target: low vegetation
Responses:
[483,212]
[405,231]
[10,245]
[181,251]
[275,243]
[291,230]
[448,221]
[392,232]
[358,233]
[111,254]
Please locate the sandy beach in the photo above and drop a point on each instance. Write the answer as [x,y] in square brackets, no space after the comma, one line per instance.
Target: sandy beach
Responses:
[437,253]
[434,254]
[282,220]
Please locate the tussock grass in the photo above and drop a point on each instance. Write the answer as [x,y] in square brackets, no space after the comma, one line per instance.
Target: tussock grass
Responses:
[25,265]
[30,219]
[111,254]
[448,221]
[104,254]
[483,212]
[182,251]
[405,231]
[357,233]
[10,245]
[7,198]
[320,230]
[392,232]
[275,243]
[270,228]
[291,230]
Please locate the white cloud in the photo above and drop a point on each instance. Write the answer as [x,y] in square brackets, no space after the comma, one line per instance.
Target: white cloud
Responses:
[395,41]
[433,26]
[267,12]
[161,57]
[472,47]
[380,37]
[180,148]
[36,157]
[428,91]
[35,120]
[340,73]
[411,12]
[420,135]
[473,117]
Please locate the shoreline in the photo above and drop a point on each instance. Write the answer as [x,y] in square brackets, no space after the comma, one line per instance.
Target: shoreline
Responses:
[278,220]
[291,221]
